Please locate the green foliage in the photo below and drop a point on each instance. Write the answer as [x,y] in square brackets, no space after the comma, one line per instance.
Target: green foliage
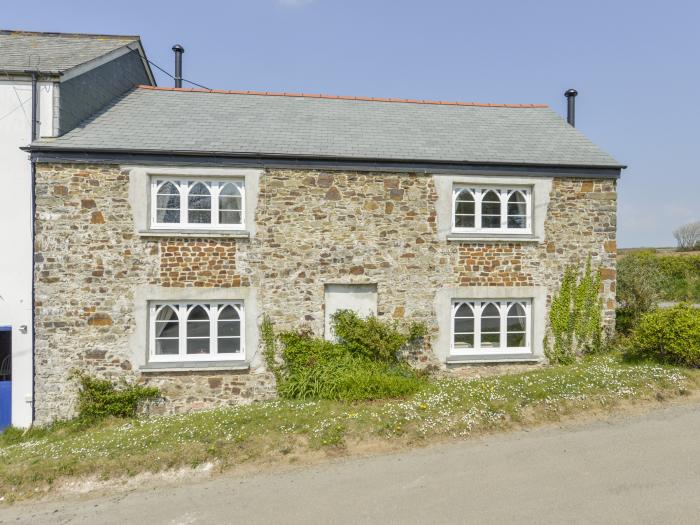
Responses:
[575,317]
[364,363]
[372,338]
[646,277]
[99,398]
[668,335]
[639,288]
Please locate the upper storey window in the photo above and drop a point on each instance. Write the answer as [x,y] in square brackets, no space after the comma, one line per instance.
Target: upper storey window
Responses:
[180,203]
[492,210]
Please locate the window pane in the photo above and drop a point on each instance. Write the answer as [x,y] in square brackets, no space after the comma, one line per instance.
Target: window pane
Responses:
[199,203]
[168,201]
[198,346]
[199,188]
[464,221]
[490,310]
[465,208]
[167,329]
[166,313]
[229,345]
[168,189]
[230,203]
[516,310]
[230,190]
[464,340]
[490,340]
[464,310]
[490,221]
[198,323]
[517,222]
[228,312]
[517,208]
[464,325]
[516,340]
[167,347]
[198,313]
[229,328]
[516,324]
[230,217]
[516,197]
[199,217]
[168,216]
[490,324]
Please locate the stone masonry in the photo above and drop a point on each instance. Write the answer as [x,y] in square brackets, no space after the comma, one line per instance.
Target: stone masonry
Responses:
[313,228]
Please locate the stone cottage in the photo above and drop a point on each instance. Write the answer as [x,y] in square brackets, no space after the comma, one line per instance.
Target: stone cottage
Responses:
[170,222]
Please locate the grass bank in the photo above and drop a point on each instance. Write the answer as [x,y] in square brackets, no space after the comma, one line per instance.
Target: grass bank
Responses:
[33,462]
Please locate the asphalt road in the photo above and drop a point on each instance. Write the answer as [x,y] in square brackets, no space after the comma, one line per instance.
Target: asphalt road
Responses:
[633,469]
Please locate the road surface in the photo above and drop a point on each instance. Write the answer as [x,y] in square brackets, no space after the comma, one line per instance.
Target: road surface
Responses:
[630,469]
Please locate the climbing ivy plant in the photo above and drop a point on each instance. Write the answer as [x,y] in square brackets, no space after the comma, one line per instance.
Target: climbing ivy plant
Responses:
[575,317]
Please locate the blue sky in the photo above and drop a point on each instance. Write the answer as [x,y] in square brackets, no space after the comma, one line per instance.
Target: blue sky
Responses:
[635,65]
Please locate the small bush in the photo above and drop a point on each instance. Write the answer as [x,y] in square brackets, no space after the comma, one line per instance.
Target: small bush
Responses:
[575,317]
[371,337]
[639,288]
[668,335]
[365,363]
[99,398]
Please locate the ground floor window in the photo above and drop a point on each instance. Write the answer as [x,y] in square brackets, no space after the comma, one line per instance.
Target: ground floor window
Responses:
[491,326]
[196,331]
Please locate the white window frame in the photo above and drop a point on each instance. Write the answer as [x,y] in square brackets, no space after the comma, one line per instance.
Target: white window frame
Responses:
[503,306]
[183,184]
[181,307]
[504,193]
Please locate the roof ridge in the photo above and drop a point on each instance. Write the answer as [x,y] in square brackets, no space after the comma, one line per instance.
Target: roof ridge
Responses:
[341,97]
[71,35]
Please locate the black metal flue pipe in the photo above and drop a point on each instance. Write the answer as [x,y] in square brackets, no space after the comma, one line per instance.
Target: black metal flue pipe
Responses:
[179,50]
[570,95]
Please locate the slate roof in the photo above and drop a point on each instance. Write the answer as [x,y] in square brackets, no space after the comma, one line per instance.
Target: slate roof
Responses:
[185,121]
[54,53]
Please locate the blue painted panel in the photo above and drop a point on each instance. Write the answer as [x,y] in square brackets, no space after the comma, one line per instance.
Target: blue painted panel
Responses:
[5,328]
[5,404]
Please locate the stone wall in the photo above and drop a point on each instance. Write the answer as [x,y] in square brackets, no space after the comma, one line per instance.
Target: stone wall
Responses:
[312,229]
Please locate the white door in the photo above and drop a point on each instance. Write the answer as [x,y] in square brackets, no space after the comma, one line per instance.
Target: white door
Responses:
[361,298]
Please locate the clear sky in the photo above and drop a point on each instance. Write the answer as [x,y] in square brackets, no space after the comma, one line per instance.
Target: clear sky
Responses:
[636,65]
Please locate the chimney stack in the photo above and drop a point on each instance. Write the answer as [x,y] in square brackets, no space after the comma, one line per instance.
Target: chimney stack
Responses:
[179,50]
[570,95]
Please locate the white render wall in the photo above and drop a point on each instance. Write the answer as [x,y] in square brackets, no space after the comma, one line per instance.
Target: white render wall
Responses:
[16,230]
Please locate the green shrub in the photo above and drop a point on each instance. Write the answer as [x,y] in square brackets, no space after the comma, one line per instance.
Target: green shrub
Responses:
[371,337]
[363,364]
[639,287]
[99,398]
[644,277]
[668,335]
[575,317]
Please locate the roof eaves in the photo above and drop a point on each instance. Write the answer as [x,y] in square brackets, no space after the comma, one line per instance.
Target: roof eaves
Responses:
[45,147]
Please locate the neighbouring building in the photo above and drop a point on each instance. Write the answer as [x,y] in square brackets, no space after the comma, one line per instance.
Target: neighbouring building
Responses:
[170,222]
[49,84]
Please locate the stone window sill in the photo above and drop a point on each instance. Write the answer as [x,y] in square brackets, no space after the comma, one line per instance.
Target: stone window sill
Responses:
[202,366]
[471,237]
[217,234]
[495,358]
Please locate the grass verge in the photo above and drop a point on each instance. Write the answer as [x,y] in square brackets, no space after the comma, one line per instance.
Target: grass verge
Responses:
[33,462]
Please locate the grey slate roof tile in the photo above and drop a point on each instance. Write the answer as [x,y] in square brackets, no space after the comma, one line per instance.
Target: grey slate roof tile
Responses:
[54,52]
[189,121]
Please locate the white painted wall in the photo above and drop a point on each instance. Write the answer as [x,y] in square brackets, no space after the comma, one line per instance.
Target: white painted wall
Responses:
[16,230]
[360,298]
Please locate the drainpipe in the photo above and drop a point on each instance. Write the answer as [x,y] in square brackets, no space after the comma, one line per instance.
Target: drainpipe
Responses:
[35,135]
